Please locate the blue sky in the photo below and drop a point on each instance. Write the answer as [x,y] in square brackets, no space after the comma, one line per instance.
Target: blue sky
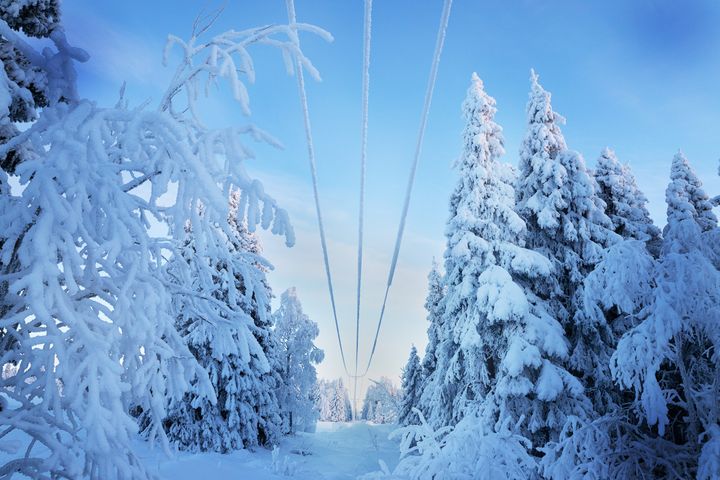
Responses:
[641,77]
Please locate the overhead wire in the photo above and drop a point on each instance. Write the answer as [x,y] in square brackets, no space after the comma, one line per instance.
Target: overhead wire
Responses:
[292,18]
[439,43]
[367,29]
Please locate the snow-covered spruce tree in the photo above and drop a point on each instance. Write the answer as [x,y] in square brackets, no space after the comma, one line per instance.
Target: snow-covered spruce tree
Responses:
[322,399]
[466,257]
[382,402]
[612,445]
[298,355]
[339,401]
[567,224]
[221,303]
[682,173]
[412,381]
[522,394]
[502,350]
[625,204]
[433,306]
[666,357]
[670,358]
[95,317]
[30,80]
[702,205]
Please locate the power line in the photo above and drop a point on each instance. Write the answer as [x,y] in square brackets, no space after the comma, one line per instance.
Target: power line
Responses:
[290,4]
[442,29]
[444,17]
[367,24]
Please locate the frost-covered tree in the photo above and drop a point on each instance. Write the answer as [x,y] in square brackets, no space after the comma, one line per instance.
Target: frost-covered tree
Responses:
[221,304]
[566,223]
[321,398]
[298,355]
[469,450]
[412,381]
[472,214]
[382,402]
[505,348]
[683,174]
[625,204]
[89,303]
[30,79]
[669,359]
[332,400]
[339,403]
[664,311]
[434,308]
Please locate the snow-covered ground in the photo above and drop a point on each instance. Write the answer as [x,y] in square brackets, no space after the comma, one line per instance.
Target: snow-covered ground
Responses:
[336,451]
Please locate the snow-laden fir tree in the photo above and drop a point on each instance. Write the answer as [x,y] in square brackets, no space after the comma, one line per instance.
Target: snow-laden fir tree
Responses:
[382,402]
[95,316]
[412,382]
[656,307]
[507,349]
[611,444]
[222,310]
[298,355]
[625,204]
[670,358]
[332,401]
[681,173]
[30,81]
[321,395]
[434,307]
[566,223]
[466,257]
[339,403]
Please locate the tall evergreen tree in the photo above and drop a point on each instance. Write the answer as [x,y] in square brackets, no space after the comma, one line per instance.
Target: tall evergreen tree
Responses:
[683,176]
[669,358]
[29,79]
[224,320]
[434,307]
[567,224]
[507,350]
[412,380]
[339,403]
[295,333]
[625,203]
[382,401]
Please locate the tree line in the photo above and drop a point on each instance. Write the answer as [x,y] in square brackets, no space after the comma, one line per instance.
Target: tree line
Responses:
[568,336]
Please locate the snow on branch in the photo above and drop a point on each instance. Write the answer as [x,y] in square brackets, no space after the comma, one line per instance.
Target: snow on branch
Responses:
[226,56]
[221,152]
